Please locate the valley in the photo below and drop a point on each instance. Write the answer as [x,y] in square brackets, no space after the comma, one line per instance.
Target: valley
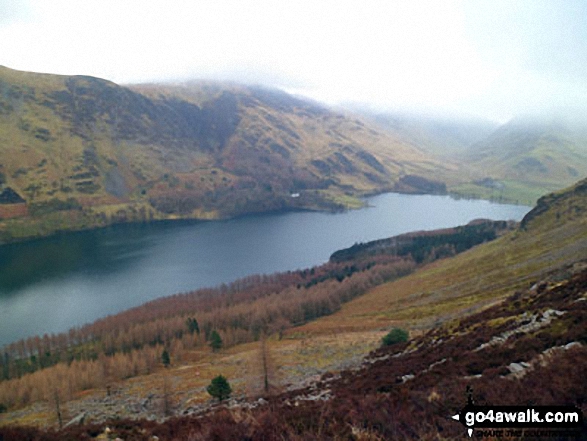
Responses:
[80,152]
[293,221]
[495,304]
[534,273]
[105,271]
[517,161]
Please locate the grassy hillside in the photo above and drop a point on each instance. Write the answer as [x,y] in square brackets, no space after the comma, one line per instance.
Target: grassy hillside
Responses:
[526,159]
[83,152]
[552,236]
[240,312]
[503,292]
[516,162]
[528,351]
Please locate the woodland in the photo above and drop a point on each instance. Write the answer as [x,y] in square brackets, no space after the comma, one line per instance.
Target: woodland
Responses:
[132,342]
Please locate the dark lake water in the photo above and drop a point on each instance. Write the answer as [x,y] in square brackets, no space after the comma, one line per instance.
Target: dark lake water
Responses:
[52,284]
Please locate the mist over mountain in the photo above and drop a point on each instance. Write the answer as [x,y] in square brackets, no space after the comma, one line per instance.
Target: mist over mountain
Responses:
[149,113]
[81,151]
[548,153]
[447,136]
[518,160]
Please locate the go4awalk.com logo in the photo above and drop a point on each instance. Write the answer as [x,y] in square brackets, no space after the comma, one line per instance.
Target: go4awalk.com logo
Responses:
[515,421]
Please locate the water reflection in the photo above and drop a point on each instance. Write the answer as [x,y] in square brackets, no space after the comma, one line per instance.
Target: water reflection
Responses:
[52,284]
[100,252]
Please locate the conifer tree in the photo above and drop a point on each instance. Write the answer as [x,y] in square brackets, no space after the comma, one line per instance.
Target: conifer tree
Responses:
[193,326]
[165,359]
[215,341]
[266,362]
[396,335]
[219,388]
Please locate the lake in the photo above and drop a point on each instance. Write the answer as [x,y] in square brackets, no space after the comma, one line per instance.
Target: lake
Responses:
[52,284]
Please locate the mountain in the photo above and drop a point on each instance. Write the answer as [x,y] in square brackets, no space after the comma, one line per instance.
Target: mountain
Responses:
[518,161]
[79,152]
[446,137]
[529,156]
[503,323]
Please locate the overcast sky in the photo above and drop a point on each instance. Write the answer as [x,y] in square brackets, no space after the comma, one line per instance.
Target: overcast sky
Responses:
[493,58]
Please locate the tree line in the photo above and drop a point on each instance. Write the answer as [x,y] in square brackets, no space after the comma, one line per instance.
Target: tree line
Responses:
[427,245]
[133,341]
[116,348]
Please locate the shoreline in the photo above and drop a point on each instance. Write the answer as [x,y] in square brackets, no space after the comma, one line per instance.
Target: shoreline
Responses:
[327,207]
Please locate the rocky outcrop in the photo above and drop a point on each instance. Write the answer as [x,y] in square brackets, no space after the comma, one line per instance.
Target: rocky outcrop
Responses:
[419,185]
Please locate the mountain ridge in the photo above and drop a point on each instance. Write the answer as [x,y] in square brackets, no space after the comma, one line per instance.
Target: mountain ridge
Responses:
[516,161]
[528,156]
[85,152]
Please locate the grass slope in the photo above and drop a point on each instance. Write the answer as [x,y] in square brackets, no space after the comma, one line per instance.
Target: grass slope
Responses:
[84,152]
[553,236]
[516,162]
[504,317]
[450,305]
[523,160]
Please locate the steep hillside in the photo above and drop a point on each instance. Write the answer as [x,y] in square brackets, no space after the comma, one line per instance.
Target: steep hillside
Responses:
[239,313]
[79,152]
[504,321]
[551,237]
[449,138]
[516,162]
[528,157]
